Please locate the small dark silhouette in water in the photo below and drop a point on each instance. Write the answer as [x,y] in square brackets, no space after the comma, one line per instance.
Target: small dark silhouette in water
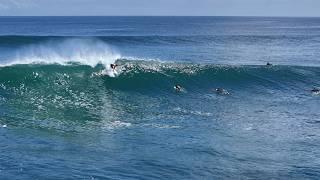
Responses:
[177,87]
[221,91]
[315,91]
[269,64]
[113,66]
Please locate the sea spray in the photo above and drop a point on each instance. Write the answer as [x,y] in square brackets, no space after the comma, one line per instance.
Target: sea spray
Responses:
[74,50]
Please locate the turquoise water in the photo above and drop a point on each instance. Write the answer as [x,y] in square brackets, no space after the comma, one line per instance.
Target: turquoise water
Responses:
[64,114]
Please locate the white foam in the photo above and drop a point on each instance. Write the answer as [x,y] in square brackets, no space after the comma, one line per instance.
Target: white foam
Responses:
[84,51]
[117,124]
[108,71]
[162,126]
[316,93]
[199,113]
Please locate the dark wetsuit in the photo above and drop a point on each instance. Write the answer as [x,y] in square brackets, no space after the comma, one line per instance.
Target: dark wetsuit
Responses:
[113,66]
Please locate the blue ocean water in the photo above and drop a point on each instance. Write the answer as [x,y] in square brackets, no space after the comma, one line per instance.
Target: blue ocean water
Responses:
[65,114]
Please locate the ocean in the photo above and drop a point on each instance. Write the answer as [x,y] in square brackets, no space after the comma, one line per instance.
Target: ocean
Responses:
[65,114]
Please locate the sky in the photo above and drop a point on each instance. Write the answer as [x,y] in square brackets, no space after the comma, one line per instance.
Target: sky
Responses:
[160,8]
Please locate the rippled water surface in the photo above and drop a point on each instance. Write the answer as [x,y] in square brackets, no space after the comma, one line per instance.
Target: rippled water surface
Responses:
[65,114]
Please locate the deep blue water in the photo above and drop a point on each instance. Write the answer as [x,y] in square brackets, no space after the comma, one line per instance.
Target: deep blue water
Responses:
[64,114]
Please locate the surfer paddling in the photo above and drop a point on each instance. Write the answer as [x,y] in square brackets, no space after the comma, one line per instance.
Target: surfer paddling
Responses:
[221,91]
[178,88]
[315,91]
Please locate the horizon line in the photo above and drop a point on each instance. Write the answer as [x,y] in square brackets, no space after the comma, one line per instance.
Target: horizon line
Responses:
[258,16]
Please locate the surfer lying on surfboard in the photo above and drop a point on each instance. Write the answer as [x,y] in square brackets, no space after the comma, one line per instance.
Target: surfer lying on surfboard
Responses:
[269,64]
[221,91]
[315,91]
[178,88]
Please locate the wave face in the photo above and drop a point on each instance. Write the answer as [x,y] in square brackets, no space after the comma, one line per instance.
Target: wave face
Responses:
[133,73]
[58,91]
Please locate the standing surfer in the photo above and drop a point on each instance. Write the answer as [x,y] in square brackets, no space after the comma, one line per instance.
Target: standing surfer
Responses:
[113,66]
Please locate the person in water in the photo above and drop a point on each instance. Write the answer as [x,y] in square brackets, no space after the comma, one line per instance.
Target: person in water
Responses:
[221,91]
[315,91]
[269,64]
[113,66]
[177,87]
